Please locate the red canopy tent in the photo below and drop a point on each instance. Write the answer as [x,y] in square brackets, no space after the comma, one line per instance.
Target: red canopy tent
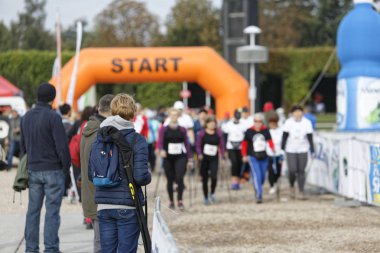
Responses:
[7,89]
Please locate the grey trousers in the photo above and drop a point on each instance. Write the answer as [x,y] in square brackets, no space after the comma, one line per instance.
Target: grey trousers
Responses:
[296,165]
[97,248]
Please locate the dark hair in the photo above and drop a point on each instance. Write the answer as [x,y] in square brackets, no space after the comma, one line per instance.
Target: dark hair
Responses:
[296,108]
[272,117]
[202,110]
[65,109]
[210,119]
[105,103]
[237,114]
[87,113]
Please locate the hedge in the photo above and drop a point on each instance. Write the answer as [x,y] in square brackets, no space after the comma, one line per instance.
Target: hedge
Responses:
[296,67]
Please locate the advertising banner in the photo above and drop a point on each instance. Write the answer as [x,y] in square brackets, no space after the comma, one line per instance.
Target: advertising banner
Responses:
[324,170]
[374,175]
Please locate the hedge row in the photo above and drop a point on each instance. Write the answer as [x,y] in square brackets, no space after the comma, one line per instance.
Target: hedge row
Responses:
[296,67]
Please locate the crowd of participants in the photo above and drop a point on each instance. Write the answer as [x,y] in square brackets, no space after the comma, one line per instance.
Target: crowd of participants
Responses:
[177,140]
[255,145]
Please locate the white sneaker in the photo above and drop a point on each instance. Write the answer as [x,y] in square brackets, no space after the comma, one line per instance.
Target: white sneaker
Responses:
[272,190]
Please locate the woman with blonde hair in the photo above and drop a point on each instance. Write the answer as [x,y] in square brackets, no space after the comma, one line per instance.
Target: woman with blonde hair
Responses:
[175,150]
[118,221]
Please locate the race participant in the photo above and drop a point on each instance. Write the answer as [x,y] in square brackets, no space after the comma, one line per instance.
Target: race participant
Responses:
[154,125]
[175,150]
[275,158]
[246,119]
[184,120]
[209,145]
[254,151]
[297,140]
[235,135]
[141,122]
[199,123]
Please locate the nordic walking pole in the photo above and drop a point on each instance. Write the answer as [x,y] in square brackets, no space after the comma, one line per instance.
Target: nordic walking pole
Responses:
[225,178]
[158,178]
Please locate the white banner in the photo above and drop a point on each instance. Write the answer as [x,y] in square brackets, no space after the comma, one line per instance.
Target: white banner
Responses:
[348,166]
[70,94]
[324,170]
[162,240]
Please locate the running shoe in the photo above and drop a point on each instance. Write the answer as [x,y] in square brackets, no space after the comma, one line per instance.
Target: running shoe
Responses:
[292,192]
[171,206]
[181,207]
[259,201]
[206,201]
[213,198]
[272,190]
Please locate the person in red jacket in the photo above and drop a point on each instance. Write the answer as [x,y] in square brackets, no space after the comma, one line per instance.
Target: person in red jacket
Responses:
[141,122]
[253,150]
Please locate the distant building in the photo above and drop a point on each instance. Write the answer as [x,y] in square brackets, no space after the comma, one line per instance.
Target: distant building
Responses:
[237,15]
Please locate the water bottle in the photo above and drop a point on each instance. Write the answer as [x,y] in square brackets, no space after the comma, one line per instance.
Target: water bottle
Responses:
[358,89]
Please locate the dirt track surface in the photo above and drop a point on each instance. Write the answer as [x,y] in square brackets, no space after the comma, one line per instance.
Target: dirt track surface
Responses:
[315,225]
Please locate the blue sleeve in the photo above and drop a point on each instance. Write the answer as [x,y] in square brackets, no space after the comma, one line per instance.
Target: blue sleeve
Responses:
[61,142]
[141,172]
[90,172]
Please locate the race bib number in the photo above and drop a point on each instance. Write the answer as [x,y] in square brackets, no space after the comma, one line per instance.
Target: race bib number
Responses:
[259,143]
[259,146]
[210,150]
[175,148]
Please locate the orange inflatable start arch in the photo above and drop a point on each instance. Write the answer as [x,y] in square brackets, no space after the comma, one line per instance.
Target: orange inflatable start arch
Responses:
[162,64]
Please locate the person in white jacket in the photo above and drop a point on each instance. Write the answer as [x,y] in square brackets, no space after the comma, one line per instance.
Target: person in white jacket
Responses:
[275,157]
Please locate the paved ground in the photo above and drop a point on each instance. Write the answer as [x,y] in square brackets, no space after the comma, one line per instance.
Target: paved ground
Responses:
[235,224]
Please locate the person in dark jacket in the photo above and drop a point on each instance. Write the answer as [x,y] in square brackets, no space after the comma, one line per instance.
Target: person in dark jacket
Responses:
[119,228]
[175,150]
[44,140]
[88,189]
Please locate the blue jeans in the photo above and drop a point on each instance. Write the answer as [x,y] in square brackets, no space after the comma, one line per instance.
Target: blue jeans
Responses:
[13,147]
[119,230]
[49,184]
[258,170]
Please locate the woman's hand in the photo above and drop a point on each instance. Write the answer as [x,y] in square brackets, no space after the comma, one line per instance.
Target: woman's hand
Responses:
[190,164]
[245,159]
[163,154]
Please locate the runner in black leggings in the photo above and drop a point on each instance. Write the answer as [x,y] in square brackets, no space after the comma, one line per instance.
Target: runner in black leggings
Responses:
[209,143]
[175,149]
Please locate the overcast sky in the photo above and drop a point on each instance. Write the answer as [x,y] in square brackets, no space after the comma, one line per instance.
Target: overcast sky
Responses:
[71,10]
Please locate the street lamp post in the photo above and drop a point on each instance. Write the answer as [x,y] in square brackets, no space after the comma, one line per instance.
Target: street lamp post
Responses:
[252,54]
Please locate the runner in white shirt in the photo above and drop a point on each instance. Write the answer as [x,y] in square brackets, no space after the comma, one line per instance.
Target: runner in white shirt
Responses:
[184,121]
[246,119]
[297,140]
[275,158]
[235,135]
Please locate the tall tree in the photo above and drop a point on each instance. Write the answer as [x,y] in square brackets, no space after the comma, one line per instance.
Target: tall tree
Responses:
[283,21]
[29,32]
[322,29]
[5,37]
[194,23]
[125,23]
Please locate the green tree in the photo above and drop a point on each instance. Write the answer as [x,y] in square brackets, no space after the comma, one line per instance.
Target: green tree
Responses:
[125,23]
[29,32]
[283,21]
[322,29]
[153,95]
[69,35]
[194,23]
[5,37]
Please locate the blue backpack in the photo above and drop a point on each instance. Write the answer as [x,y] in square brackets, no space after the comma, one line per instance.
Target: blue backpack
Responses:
[105,161]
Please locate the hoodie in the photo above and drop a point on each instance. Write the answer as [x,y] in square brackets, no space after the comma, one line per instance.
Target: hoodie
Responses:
[119,196]
[88,189]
